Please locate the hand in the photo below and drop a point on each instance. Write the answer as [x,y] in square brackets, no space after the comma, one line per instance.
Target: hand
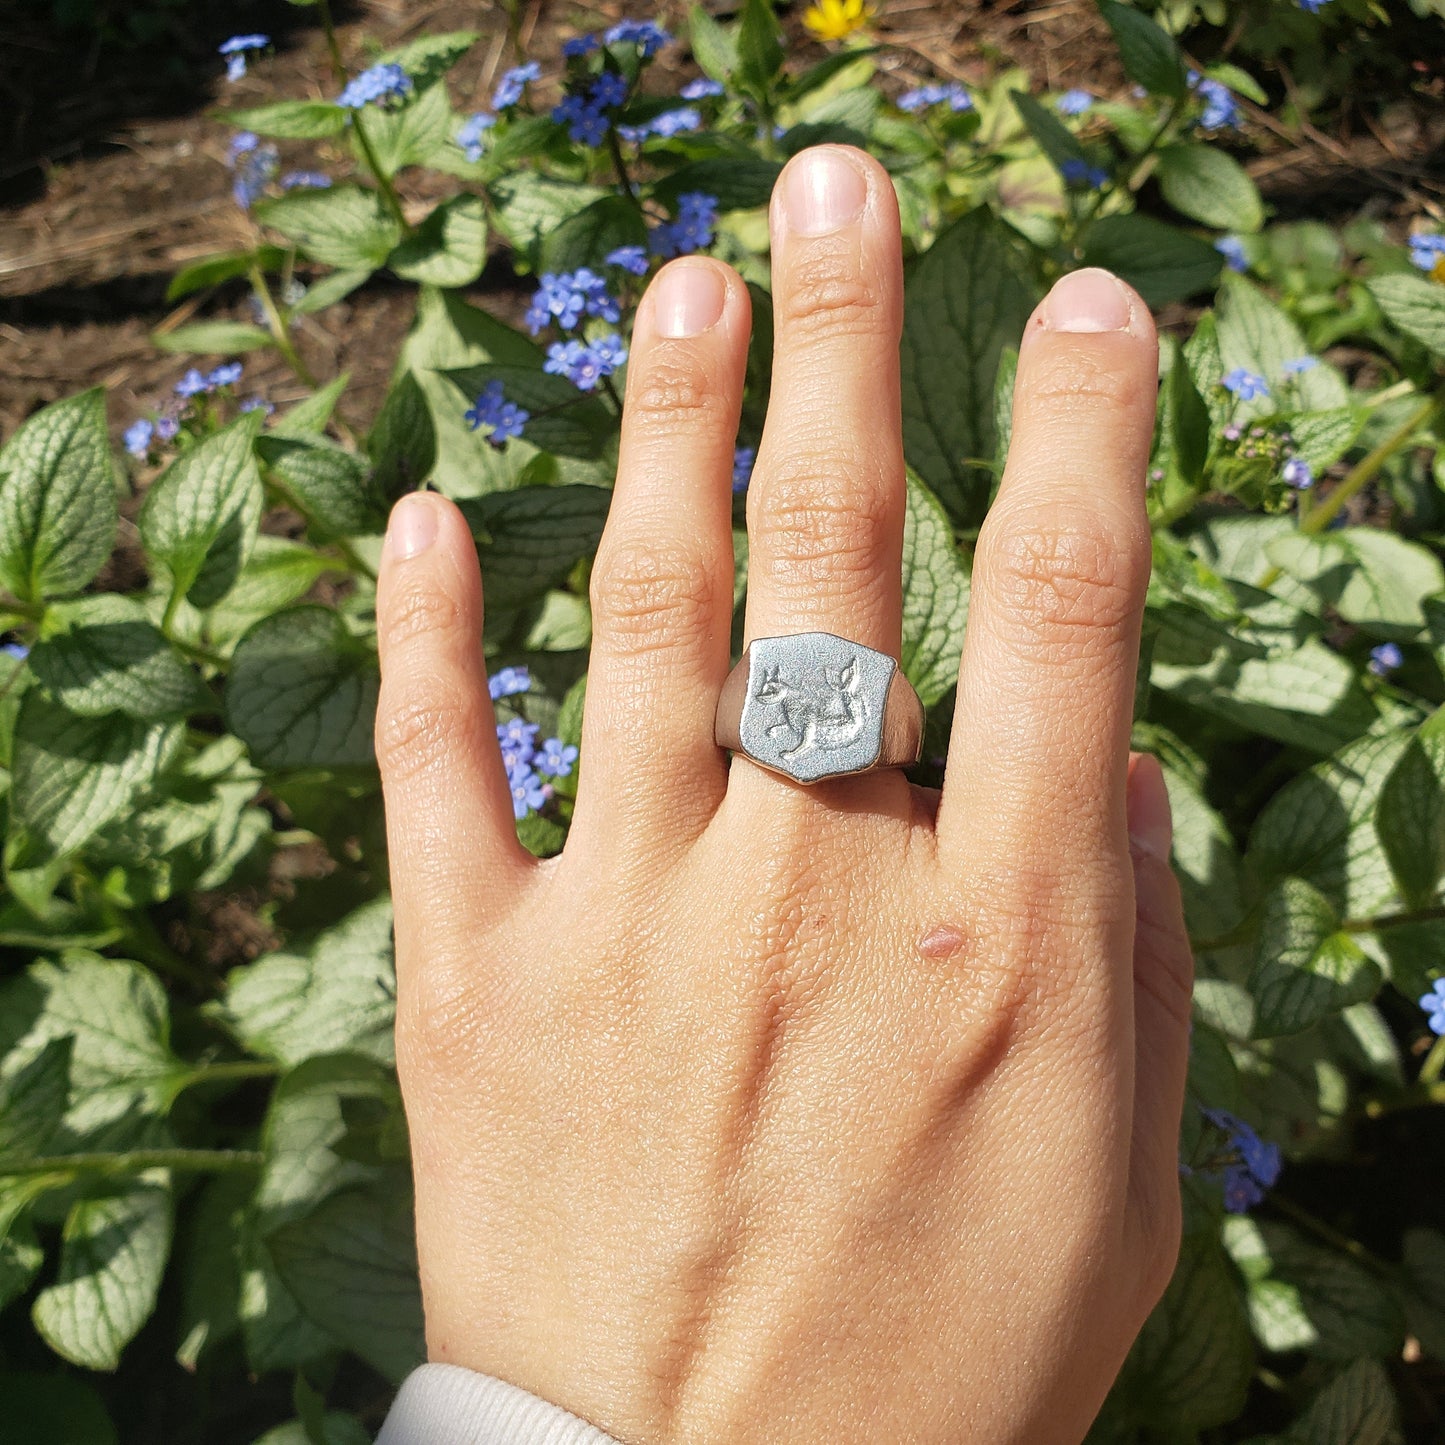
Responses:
[776,1113]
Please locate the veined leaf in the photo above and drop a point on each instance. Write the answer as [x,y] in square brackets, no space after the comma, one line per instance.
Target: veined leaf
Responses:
[935,596]
[346,226]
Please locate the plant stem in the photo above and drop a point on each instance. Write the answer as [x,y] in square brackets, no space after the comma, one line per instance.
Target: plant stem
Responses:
[135,1161]
[383,181]
[338,66]
[1360,475]
[280,332]
[231,1071]
[1434,1064]
[354,559]
[611,390]
[614,147]
[30,611]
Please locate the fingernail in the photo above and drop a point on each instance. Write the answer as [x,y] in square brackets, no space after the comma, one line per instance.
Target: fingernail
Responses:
[823,192]
[688,299]
[1088,300]
[413,527]
[1151,824]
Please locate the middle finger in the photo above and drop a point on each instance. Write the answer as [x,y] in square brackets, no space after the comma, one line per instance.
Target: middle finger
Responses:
[825,509]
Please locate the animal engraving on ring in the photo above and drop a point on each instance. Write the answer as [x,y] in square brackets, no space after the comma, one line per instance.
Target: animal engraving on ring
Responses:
[823,708]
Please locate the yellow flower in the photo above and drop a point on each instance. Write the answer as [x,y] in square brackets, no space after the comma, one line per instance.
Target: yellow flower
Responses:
[837,19]
[1437,271]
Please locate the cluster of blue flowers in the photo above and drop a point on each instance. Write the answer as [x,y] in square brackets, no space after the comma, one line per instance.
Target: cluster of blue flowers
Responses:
[237,48]
[646,36]
[1385,659]
[503,418]
[632,259]
[1074,102]
[198,383]
[1427,251]
[693,230]
[669,123]
[1232,249]
[1221,110]
[380,85]
[469,136]
[702,89]
[924,97]
[305,181]
[1433,1002]
[584,363]
[743,459]
[254,166]
[1254,1166]
[17,650]
[588,113]
[528,762]
[565,297]
[1080,173]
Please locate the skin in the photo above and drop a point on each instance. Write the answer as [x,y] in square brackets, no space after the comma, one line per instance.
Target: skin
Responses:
[781,1113]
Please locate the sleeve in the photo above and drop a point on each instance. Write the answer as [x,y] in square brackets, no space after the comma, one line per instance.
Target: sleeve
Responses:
[448,1405]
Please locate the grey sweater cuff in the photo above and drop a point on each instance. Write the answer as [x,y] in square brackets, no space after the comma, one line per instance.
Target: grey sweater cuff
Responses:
[447,1405]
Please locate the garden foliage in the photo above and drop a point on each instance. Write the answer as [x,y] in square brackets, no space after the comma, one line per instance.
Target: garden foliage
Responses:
[209,1173]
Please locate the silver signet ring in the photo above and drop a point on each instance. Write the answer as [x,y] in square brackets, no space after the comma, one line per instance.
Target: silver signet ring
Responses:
[814,706]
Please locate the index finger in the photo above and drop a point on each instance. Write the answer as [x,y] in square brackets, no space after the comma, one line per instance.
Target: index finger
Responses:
[1040,747]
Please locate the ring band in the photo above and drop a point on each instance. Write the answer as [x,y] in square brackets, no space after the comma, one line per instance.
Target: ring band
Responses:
[814,706]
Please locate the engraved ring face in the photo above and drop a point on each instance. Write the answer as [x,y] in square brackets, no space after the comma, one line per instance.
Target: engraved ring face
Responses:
[814,705]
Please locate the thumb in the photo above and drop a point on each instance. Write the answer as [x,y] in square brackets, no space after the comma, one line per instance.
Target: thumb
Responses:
[1163,988]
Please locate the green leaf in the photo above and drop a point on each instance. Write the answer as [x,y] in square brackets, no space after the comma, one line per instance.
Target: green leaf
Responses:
[1357,1407]
[48,1409]
[210,1269]
[409,136]
[449,248]
[1304,1296]
[309,418]
[33,1099]
[216,269]
[529,206]
[352,1265]
[105,657]
[1415,305]
[1150,55]
[1003,405]
[57,499]
[740,182]
[1303,968]
[200,517]
[1191,1365]
[277,573]
[219,338]
[302,692]
[1321,827]
[760,46]
[403,442]
[714,48]
[935,596]
[346,227]
[330,486]
[1161,262]
[1424,1289]
[1189,424]
[73,775]
[1255,334]
[327,292]
[291,119]
[115,1015]
[965,300]
[339,994]
[587,238]
[1370,577]
[1055,139]
[429,58]
[1209,185]
[112,1255]
[528,540]
[335,1429]
[1411,815]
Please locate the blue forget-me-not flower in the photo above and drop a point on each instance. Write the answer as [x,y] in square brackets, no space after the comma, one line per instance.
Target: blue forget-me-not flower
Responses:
[1074,102]
[702,88]
[1434,1005]
[924,97]
[237,48]
[505,419]
[743,459]
[508,682]
[692,230]
[629,258]
[1245,384]
[380,85]
[513,84]
[1385,658]
[469,136]
[1254,1167]
[1232,249]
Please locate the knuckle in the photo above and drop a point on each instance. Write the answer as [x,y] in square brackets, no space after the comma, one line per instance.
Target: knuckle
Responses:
[1063,572]
[418,612]
[420,730]
[674,396]
[828,297]
[652,594]
[1087,377]
[808,536]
